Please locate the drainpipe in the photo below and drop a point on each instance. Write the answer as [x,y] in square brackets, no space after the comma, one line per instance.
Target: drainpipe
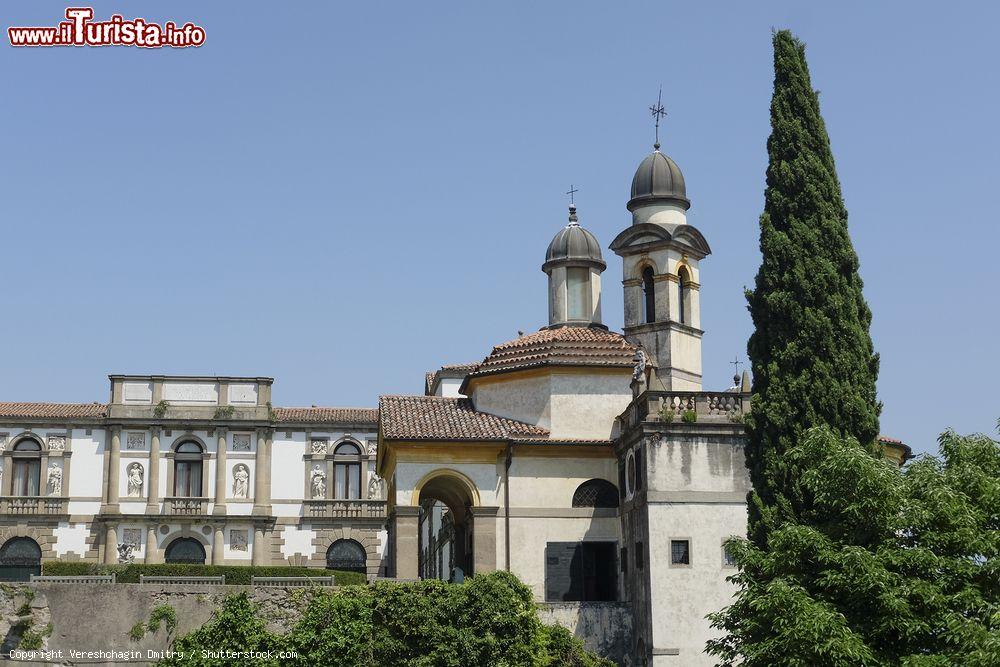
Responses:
[506,504]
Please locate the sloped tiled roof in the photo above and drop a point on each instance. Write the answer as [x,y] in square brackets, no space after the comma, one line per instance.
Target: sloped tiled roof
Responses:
[568,346]
[439,418]
[448,370]
[351,415]
[54,410]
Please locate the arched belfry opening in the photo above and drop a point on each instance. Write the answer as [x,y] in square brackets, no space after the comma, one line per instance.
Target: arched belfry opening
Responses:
[446,526]
[648,296]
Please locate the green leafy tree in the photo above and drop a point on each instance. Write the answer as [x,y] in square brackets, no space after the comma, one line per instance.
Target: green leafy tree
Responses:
[884,568]
[811,353]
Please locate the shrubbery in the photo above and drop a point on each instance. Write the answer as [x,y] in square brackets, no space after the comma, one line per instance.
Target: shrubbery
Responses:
[235,574]
[489,620]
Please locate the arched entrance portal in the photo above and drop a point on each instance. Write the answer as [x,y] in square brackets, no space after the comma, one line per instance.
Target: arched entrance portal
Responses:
[446,533]
[185,550]
[20,557]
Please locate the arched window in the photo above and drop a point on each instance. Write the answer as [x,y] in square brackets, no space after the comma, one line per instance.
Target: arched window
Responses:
[648,296]
[20,557]
[683,284]
[347,471]
[578,293]
[188,470]
[27,457]
[185,550]
[346,555]
[596,493]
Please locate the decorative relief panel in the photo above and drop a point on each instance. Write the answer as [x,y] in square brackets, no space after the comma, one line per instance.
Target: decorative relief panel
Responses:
[191,393]
[57,443]
[243,394]
[372,447]
[241,442]
[238,540]
[135,440]
[132,536]
[319,446]
[137,393]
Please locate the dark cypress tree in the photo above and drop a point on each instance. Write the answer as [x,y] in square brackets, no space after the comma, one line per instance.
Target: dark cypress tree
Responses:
[811,352]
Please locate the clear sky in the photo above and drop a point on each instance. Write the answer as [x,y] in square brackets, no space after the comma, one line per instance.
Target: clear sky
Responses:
[346,195]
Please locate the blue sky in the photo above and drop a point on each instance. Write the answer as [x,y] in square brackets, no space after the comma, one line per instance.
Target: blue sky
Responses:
[345,195]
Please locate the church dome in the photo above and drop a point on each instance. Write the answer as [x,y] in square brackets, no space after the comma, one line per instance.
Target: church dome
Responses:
[658,180]
[574,244]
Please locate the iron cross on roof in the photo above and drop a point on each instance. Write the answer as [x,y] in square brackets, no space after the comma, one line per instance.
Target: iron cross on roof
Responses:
[658,112]
[572,191]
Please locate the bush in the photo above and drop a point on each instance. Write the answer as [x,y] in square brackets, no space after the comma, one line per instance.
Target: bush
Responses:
[235,574]
[488,620]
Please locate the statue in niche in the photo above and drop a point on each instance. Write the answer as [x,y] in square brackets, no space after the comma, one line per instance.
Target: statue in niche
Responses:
[376,488]
[241,481]
[238,540]
[54,483]
[318,484]
[135,472]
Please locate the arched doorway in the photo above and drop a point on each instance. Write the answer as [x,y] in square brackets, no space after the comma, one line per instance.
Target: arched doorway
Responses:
[20,557]
[347,555]
[185,550]
[447,531]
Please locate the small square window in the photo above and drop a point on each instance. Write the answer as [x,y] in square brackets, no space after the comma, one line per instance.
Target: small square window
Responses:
[623,557]
[728,557]
[638,555]
[680,552]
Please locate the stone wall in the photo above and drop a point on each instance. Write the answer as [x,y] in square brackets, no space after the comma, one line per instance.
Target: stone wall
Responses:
[604,627]
[99,617]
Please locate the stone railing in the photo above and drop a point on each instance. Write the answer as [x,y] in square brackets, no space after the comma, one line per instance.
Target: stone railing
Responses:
[82,579]
[291,582]
[180,580]
[344,509]
[674,406]
[32,505]
[185,506]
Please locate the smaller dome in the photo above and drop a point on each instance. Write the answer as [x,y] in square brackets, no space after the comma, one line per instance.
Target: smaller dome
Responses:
[574,244]
[658,180]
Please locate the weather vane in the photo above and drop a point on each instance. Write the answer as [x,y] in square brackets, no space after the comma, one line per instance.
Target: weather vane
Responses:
[658,112]
[572,191]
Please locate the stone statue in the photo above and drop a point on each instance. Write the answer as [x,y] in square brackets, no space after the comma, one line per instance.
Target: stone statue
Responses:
[241,481]
[318,483]
[125,553]
[376,488]
[55,480]
[639,372]
[135,472]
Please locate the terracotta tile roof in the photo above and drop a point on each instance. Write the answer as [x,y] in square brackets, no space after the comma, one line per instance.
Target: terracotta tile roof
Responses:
[439,418]
[891,441]
[54,410]
[570,346]
[448,370]
[350,415]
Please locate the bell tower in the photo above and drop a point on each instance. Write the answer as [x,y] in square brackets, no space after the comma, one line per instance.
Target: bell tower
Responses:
[661,254]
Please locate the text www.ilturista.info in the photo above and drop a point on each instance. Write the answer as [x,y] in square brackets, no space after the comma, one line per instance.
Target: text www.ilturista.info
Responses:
[80,30]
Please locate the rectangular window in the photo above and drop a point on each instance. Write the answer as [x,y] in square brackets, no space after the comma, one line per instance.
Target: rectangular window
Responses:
[623,558]
[680,552]
[639,564]
[577,298]
[26,477]
[340,481]
[728,558]
[581,572]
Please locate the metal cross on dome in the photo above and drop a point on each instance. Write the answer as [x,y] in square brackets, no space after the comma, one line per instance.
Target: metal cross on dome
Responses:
[572,191]
[658,112]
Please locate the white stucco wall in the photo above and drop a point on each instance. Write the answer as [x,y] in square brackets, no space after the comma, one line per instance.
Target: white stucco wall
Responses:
[550,482]
[585,405]
[682,596]
[86,464]
[71,538]
[287,466]
[298,541]
[526,399]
